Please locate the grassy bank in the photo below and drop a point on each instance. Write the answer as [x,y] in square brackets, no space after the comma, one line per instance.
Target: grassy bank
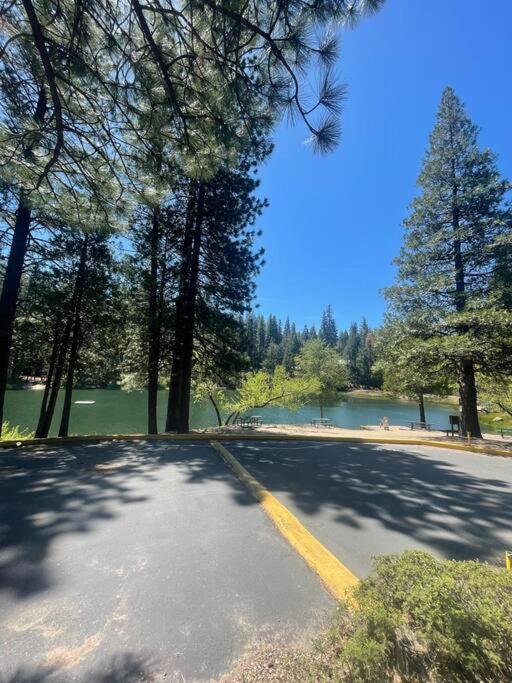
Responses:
[489,420]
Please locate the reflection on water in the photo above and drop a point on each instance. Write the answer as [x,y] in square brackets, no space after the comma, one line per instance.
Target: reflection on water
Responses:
[122,412]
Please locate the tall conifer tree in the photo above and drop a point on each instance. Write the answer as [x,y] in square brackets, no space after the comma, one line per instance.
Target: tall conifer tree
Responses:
[445,290]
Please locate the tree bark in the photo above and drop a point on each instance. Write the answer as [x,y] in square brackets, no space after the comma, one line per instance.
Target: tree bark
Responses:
[217,411]
[45,421]
[75,340]
[421,403]
[178,407]
[153,326]
[14,268]
[49,376]
[469,422]
[10,291]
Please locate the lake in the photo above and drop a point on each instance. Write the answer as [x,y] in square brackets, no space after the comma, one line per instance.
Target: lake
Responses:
[124,412]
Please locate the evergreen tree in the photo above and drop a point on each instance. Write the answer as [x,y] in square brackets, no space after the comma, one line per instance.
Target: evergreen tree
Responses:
[273,357]
[404,370]
[342,340]
[216,271]
[450,262]
[350,353]
[261,340]
[365,356]
[287,328]
[328,332]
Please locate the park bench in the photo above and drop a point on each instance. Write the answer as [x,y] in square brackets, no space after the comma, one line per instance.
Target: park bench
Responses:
[421,425]
[321,422]
[505,430]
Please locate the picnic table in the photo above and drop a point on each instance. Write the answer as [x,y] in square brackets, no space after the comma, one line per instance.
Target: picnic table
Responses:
[249,421]
[421,425]
[321,422]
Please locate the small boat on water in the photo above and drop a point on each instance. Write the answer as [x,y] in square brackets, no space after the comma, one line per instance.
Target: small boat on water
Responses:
[84,403]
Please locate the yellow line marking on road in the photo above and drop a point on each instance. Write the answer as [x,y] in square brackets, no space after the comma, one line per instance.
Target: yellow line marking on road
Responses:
[338,579]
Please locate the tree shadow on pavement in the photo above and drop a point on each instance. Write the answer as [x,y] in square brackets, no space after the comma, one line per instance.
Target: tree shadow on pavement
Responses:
[455,510]
[48,491]
[125,668]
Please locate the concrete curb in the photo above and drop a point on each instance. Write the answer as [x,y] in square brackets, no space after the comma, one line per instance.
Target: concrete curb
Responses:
[210,436]
[337,578]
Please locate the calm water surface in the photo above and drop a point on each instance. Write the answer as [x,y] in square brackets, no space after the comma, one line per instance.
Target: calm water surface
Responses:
[124,412]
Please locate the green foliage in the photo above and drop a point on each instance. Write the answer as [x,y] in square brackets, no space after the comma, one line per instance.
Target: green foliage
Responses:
[408,369]
[453,280]
[261,388]
[328,332]
[270,344]
[319,362]
[15,433]
[427,619]
[496,394]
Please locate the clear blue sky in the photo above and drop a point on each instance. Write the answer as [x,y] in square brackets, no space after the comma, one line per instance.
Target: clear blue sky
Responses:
[334,222]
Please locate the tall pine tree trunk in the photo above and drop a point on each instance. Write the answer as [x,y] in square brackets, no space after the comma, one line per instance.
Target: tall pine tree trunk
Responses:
[45,420]
[178,407]
[49,376]
[10,291]
[70,375]
[421,404]
[14,268]
[153,326]
[469,423]
[75,340]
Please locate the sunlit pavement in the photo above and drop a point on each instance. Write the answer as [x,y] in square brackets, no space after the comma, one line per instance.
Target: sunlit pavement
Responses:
[361,500]
[123,560]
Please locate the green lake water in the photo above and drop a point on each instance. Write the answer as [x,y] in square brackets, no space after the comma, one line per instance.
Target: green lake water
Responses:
[124,412]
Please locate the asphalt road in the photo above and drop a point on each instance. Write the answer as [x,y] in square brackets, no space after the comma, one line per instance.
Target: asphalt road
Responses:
[122,561]
[361,500]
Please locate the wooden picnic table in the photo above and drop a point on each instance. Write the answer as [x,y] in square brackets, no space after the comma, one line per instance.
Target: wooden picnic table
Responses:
[320,422]
[249,421]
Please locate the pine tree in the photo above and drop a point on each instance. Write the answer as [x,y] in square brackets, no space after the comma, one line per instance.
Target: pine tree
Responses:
[261,339]
[328,332]
[350,353]
[445,289]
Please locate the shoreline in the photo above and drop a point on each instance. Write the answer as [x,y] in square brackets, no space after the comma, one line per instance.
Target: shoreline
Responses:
[399,432]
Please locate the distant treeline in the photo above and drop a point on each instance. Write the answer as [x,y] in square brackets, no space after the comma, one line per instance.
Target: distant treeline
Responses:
[270,343]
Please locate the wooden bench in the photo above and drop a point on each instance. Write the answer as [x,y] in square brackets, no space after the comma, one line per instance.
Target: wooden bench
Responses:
[421,425]
[321,422]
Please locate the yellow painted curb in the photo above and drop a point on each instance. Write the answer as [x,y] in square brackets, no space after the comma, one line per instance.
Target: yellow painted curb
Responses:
[338,579]
[208,436]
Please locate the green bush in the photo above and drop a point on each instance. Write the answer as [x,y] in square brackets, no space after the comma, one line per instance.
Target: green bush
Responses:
[423,619]
[15,433]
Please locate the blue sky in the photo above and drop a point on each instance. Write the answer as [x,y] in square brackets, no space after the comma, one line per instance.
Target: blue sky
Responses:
[334,222]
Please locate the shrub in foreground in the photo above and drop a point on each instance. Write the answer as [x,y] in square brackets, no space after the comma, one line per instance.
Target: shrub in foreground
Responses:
[426,619]
[415,619]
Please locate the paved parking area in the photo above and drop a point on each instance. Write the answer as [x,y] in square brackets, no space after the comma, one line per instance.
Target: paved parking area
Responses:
[366,499]
[132,561]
